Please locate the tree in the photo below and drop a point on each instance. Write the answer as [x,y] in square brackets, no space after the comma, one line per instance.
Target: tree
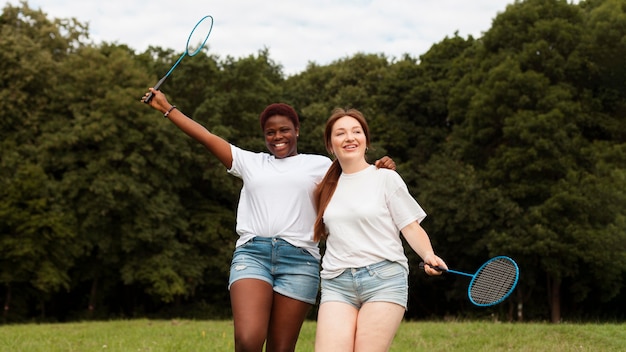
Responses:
[38,242]
[522,123]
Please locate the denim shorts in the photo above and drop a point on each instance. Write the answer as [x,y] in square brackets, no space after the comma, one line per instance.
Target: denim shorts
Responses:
[381,282]
[292,271]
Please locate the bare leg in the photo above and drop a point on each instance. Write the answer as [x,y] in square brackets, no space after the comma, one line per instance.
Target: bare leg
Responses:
[377,325]
[286,320]
[336,327]
[251,301]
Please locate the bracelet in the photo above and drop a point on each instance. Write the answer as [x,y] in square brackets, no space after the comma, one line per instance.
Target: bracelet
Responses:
[168,111]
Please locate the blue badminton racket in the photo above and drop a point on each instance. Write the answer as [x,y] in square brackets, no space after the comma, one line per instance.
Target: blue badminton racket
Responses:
[492,283]
[195,42]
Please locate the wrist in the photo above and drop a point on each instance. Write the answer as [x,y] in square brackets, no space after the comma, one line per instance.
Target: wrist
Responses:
[167,113]
[428,255]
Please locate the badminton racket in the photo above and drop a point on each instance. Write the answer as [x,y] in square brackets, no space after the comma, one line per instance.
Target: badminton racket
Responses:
[195,42]
[492,283]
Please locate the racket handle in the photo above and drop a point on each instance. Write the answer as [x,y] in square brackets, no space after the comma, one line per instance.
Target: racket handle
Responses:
[156,87]
[438,268]
[148,98]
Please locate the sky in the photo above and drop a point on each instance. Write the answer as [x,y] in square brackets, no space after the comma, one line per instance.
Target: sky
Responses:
[295,32]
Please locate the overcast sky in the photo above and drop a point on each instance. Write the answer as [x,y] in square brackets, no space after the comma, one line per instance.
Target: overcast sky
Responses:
[295,32]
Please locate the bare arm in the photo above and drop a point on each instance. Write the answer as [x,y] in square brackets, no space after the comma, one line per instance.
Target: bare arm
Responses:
[419,241]
[215,144]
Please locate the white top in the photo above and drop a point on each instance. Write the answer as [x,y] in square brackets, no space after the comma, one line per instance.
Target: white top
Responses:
[277,196]
[364,218]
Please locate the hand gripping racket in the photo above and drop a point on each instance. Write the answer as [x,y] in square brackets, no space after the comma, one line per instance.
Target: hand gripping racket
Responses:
[195,42]
[492,283]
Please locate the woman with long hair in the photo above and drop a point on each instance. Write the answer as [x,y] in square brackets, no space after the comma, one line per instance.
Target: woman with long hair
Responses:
[361,211]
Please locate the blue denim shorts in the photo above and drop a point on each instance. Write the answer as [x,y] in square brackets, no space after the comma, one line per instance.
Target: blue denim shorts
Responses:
[292,271]
[381,282]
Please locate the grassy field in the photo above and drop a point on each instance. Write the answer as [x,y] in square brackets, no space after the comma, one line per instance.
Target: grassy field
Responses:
[190,335]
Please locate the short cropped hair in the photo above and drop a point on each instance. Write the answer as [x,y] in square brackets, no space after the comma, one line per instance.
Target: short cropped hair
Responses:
[281,109]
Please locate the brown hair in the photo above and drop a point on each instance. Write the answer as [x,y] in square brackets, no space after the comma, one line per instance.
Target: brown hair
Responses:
[326,188]
[281,109]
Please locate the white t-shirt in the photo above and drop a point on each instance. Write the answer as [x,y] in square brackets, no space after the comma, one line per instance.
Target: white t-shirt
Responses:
[364,218]
[277,196]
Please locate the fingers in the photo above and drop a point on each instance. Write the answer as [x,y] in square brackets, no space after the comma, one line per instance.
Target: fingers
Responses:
[149,93]
[152,95]
[433,265]
[432,272]
[440,263]
[385,163]
[389,163]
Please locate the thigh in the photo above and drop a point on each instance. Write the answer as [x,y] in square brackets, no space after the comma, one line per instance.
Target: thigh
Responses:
[336,327]
[286,320]
[251,302]
[377,324]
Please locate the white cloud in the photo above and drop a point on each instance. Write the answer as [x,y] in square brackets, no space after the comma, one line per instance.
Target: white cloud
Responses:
[295,32]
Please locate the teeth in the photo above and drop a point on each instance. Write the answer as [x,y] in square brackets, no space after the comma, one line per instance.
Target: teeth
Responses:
[279,144]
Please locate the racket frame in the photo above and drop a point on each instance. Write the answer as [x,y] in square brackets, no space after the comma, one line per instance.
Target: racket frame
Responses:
[475,275]
[185,53]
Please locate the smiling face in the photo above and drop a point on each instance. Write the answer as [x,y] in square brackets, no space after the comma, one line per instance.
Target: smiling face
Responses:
[348,140]
[281,136]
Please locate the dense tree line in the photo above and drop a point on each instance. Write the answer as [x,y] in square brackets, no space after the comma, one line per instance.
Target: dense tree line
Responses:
[514,143]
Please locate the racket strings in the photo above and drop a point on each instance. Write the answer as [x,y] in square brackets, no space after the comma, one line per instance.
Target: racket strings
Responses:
[494,281]
[199,35]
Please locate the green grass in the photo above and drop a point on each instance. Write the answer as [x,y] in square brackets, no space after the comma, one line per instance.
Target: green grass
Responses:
[190,335]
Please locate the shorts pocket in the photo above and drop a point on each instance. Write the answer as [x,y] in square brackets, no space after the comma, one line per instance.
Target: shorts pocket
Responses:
[390,270]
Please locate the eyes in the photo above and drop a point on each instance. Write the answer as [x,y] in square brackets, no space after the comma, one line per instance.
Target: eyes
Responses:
[272,132]
[342,132]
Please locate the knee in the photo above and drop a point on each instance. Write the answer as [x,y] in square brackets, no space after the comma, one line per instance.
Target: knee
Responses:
[283,348]
[248,343]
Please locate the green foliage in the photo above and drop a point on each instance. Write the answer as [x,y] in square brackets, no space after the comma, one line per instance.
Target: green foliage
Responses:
[524,121]
[512,142]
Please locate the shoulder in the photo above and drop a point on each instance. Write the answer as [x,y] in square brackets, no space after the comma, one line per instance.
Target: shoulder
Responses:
[318,159]
[387,173]
[391,177]
[247,153]
[247,160]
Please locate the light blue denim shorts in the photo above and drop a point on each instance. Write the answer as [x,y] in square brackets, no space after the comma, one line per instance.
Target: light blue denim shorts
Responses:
[381,282]
[292,271]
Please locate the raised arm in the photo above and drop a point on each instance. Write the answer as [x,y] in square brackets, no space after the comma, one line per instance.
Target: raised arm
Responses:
[215,144]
